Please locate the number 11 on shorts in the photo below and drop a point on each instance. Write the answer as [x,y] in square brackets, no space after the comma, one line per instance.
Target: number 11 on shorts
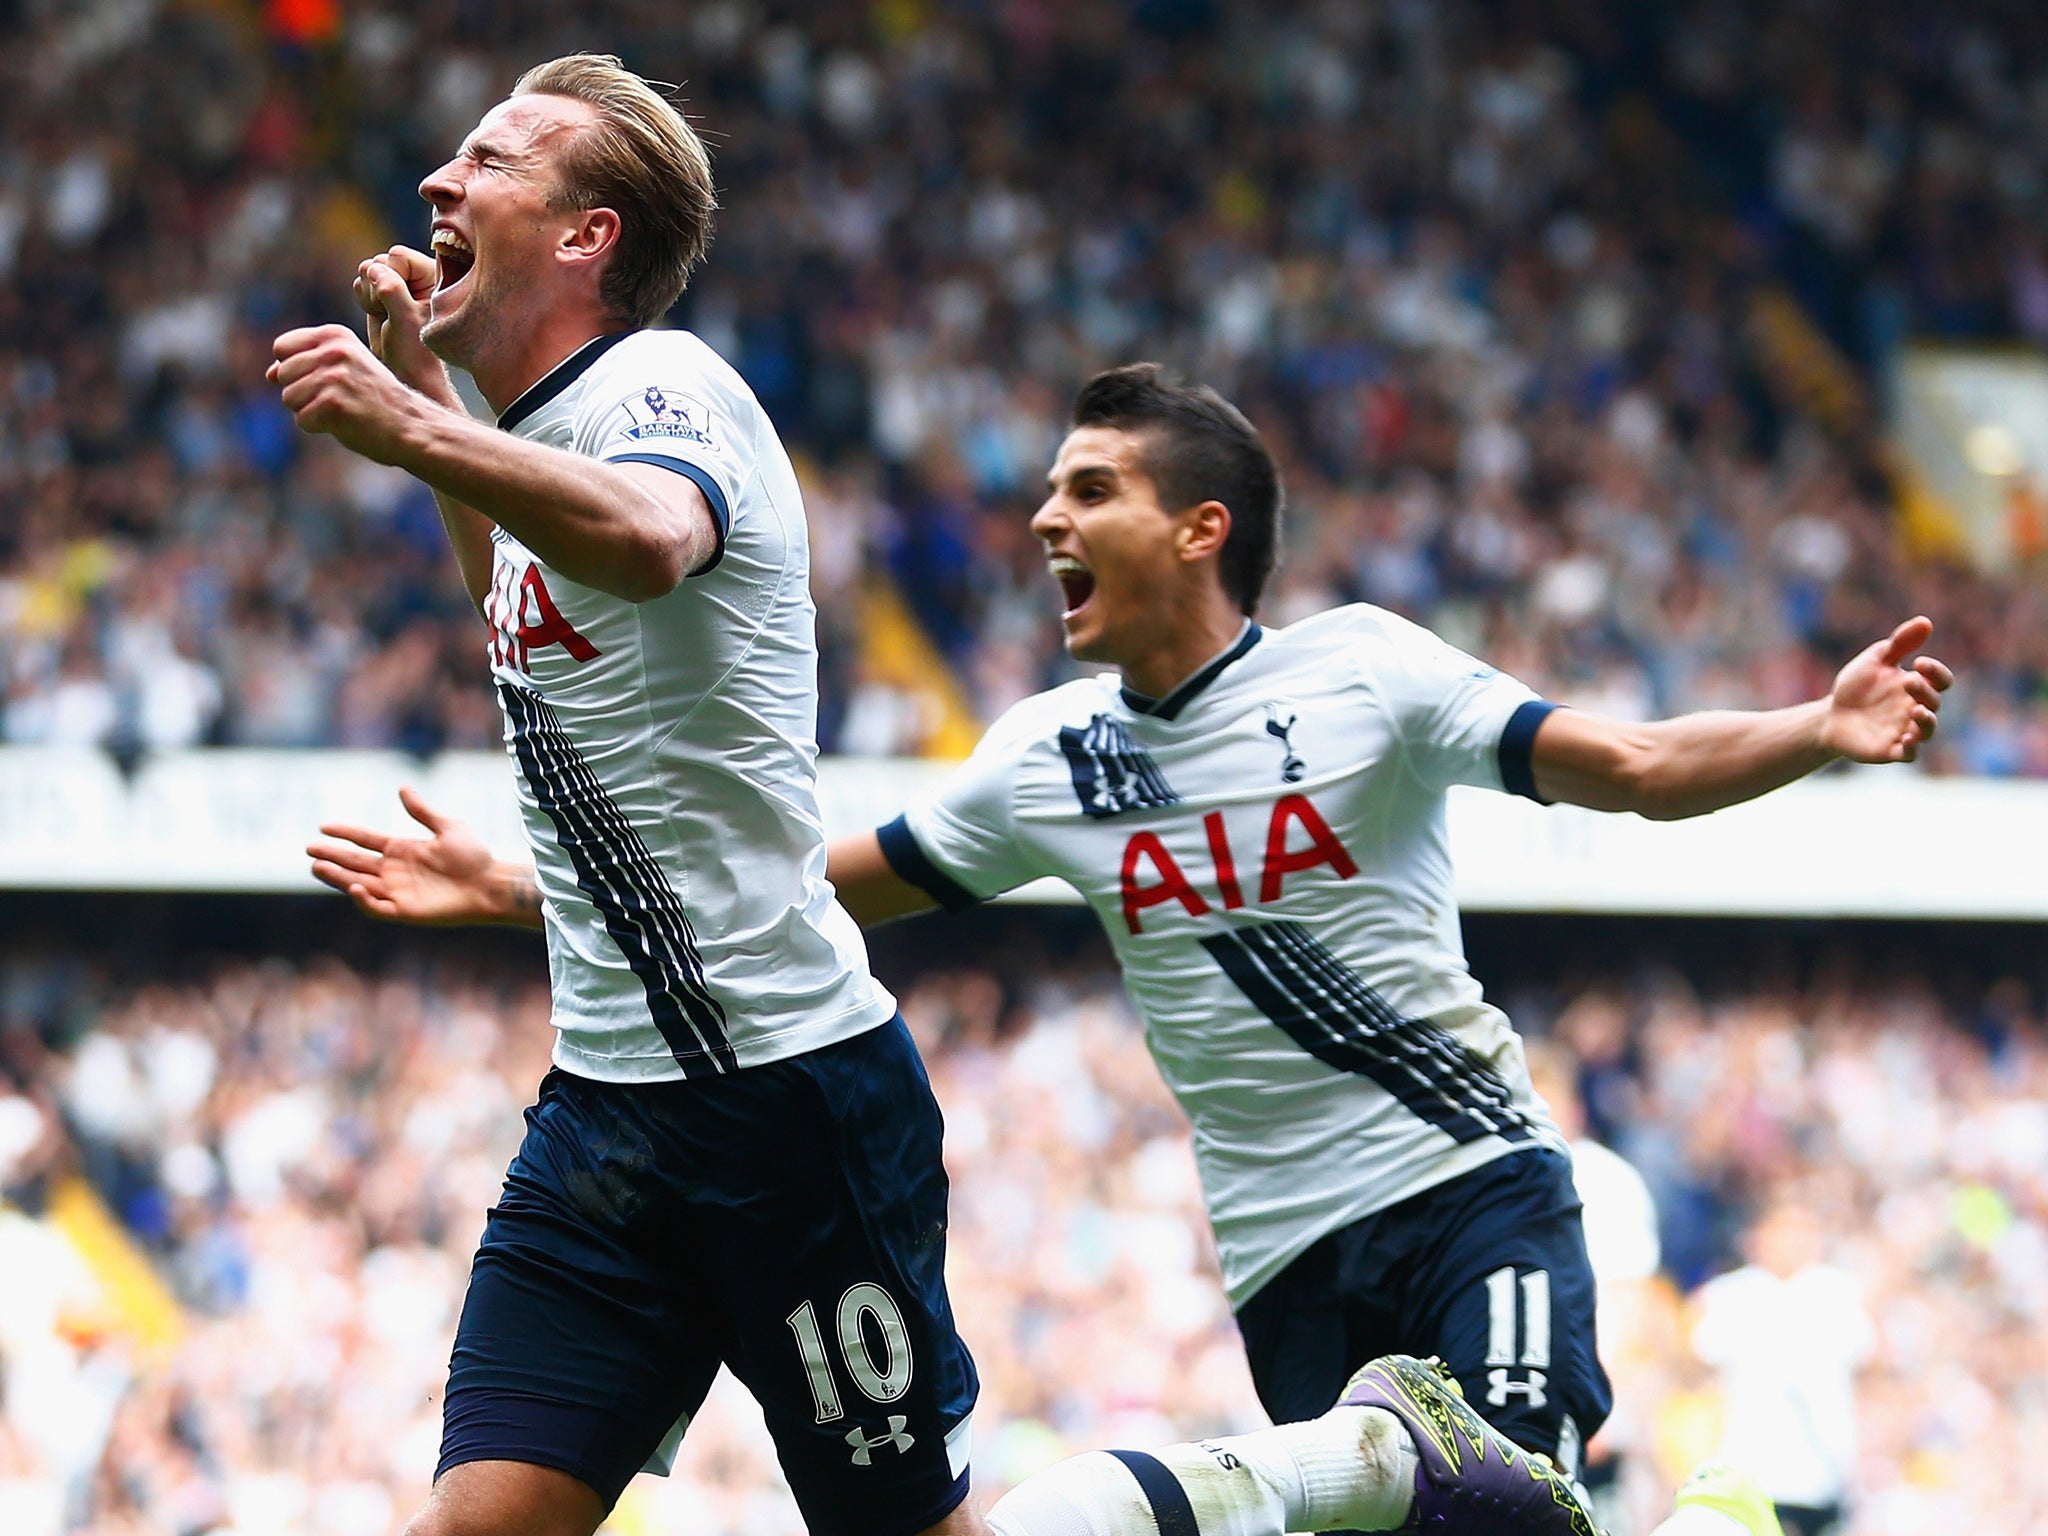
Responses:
[1500,1315]
[883,1383]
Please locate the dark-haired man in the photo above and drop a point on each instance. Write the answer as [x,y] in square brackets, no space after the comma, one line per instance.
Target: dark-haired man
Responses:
[1257,817]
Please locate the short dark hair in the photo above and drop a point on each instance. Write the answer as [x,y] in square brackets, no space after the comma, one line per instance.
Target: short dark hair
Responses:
[1204,450]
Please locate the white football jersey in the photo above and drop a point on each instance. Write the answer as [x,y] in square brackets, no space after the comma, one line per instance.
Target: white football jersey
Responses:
[1266,848]
[666,751]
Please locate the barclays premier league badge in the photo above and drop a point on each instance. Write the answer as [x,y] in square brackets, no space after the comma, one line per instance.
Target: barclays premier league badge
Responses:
[662,413]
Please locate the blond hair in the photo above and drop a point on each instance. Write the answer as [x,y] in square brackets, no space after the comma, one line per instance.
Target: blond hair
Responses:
[642,160]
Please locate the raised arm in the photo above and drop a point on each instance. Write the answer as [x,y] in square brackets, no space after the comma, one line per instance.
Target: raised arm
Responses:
[448,879]
[868,887]
[393,289]
[631,530]
[1879,711]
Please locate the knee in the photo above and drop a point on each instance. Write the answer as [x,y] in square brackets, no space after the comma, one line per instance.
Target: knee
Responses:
[508,1498]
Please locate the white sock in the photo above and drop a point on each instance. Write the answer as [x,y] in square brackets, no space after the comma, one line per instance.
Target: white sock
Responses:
[1698,1520]
[1351,1469]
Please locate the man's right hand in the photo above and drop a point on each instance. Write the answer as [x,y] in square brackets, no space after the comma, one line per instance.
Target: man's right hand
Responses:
[448,879]
[393,289]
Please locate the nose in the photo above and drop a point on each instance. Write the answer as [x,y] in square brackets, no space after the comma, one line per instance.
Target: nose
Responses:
[444,186]
[1049,520]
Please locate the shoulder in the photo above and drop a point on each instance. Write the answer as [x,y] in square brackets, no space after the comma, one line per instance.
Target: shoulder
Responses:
[1041,717]
[673,354]
[1335,626]
[667,385]
[1364,627]
[1344,648]
[1355,628]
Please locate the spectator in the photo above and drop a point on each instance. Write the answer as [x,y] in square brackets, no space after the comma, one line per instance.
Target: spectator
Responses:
[307,1149]
[1788,1333]
[1486,279]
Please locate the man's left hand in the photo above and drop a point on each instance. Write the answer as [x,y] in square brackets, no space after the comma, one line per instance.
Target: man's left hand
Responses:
[331,383]
[1883,710]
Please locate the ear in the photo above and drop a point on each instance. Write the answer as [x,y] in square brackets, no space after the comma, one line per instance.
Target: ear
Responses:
[590,238]
[1203,529]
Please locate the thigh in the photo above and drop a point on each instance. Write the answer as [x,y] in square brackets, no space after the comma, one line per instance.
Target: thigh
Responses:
[830,1245]
[578,1349]
[501,1498]
[1505,1298]
[1305,1331]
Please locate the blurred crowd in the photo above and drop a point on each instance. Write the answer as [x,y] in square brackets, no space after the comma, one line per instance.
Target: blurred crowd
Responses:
[1483,273]
[305,1150]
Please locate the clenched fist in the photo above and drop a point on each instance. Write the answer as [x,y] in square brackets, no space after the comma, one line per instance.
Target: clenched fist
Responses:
[393,289]
[330,383]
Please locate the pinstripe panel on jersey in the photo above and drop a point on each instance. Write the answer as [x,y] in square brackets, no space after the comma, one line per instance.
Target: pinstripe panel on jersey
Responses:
[1329,1011]
[614,869]
[1112,773]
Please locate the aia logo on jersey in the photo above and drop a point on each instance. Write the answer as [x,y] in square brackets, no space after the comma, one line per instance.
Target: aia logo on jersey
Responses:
[524,619]
[662,413]
[1112,773]
[1151,875]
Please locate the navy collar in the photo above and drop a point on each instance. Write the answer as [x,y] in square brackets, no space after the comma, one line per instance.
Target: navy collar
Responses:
[559,378]
[1169,708]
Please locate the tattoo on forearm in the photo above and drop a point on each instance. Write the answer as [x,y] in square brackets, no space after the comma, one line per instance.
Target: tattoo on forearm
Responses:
[520,895]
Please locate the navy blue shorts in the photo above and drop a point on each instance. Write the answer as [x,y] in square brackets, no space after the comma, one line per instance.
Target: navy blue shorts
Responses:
[1487,1271]
[787,1221]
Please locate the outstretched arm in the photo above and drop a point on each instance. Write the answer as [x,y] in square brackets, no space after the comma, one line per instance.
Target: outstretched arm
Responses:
[868,887]
[1879,711]
[447,880]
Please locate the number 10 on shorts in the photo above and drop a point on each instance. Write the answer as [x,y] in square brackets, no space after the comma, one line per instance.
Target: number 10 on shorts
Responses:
[885,1382]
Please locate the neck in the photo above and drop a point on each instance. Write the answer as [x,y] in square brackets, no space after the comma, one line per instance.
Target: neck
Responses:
[1182,650]
[528,355]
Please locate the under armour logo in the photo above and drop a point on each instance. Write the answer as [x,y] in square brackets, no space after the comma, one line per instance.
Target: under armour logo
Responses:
[864,1448]
[1499,1388]
[1291,767]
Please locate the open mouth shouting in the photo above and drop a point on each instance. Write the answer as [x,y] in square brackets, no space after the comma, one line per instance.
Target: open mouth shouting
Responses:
[454,258]
[1077,583]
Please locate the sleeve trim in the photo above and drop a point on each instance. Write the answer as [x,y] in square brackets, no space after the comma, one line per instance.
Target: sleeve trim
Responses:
[714,493]
[910,862]
[1517,749]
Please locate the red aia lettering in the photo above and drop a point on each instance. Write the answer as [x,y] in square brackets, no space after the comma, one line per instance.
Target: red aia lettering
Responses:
[1323,847]
[552,629]
[1172,886]
[1226,865]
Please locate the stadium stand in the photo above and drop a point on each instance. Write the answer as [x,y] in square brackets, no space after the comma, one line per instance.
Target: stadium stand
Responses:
[1565,316]
[305,1146]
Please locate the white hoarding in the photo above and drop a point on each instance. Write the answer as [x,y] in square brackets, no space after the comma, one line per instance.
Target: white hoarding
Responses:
[1876,843]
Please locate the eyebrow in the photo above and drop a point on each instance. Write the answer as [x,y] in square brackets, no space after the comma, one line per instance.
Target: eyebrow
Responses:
[1094,471]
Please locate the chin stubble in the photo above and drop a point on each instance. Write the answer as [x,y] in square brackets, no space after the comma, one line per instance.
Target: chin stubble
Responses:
[461,338]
